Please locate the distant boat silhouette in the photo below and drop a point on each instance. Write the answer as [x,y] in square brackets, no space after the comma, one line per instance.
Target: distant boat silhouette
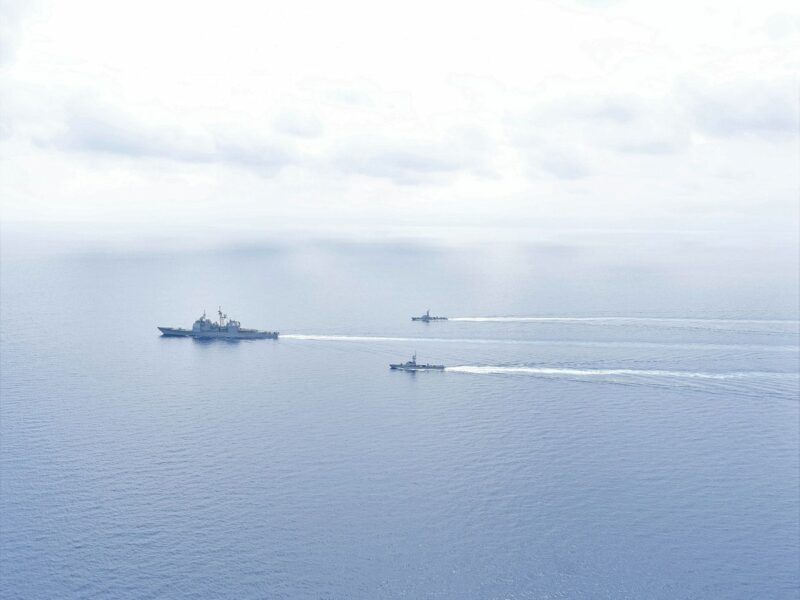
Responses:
[427,317]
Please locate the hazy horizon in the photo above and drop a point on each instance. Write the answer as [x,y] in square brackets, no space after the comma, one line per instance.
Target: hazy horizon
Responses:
[151,122]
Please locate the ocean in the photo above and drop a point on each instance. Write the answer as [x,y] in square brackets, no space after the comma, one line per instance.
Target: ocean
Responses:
[608,426]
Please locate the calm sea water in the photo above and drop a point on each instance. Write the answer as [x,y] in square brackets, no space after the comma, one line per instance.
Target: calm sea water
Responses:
[641,441]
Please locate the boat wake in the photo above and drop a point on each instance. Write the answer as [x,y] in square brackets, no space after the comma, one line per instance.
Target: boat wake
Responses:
[352,338]
[625,319]
[588,344]
[558,371]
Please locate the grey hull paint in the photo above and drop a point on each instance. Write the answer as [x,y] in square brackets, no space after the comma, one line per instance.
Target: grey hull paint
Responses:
[413,365]
[210,335]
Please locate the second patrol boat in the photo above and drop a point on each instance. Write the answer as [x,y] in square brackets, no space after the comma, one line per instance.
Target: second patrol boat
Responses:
[412,365]
[428,318]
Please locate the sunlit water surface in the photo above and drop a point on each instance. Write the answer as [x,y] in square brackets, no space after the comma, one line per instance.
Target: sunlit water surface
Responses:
[594,435]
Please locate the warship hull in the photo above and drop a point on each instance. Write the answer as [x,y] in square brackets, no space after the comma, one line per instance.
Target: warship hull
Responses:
[427,318]
[241,334]
[413,365]
[224,329]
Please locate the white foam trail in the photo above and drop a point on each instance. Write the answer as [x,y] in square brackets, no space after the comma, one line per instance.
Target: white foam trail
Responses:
[347,338]
[624,319]
[590,344]
[498,370]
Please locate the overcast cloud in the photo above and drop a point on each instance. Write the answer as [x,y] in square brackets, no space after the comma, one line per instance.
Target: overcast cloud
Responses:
[296,116]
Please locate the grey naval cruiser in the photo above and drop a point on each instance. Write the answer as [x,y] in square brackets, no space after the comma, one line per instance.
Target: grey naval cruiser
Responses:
[412,365]
[428,318]
[225,328]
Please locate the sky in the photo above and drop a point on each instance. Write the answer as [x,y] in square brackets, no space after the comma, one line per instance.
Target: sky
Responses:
[150,121]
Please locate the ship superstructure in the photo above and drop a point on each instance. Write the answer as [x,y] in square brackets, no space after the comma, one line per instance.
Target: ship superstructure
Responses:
[224,328]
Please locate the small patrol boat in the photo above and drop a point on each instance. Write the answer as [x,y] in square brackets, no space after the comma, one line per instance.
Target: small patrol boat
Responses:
[412,365]
[205,328]
[427,317]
